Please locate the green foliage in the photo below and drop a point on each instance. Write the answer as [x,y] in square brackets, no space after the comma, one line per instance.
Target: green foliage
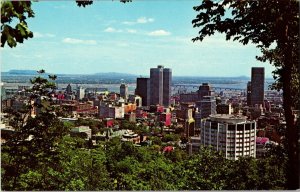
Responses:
[11,11]
[274,27]
[206,170]
[171,137]
[128,125]
[155,140]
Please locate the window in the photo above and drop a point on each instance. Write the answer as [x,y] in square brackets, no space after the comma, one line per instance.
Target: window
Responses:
[240,127]
[247,126]
[214,125]
[231,127]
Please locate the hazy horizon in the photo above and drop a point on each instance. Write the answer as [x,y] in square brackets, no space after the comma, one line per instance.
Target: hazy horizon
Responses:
[132,74]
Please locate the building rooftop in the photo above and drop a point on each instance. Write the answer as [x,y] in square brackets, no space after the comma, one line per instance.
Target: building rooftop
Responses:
[228,118]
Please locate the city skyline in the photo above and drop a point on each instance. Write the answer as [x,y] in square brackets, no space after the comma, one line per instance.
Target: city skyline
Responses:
[135,37]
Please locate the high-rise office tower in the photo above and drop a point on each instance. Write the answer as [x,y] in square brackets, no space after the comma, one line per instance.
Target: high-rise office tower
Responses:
[143,90]
[160,85]
[80,93]
[167,80]
[124,91]
[156,85]
[257,86]
[69,89]
[249,93]
[204,90]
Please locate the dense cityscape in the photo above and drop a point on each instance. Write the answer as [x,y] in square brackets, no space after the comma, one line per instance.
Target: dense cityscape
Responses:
[235,122]
[150,95]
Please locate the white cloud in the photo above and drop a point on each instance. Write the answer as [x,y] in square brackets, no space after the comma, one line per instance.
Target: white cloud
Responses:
[141,20]
[131,31]
[144,20]
[159,33]
[128,23]
[40,35]
[112,30]
[79,41]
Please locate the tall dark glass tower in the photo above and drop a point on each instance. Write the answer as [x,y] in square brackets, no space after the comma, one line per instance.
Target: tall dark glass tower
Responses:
[143,90]
[124,91]
[257,86]
[167,80]
[160,85]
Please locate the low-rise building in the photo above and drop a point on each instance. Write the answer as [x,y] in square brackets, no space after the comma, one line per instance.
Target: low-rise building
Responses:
[82,129]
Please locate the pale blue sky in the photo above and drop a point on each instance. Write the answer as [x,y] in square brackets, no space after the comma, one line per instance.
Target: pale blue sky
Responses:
[110,36]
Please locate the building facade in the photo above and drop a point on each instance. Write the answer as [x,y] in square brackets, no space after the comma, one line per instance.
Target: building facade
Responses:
[167,80]
[80,93]
[160,85]
[143,90]
[204,90]
[231,134]
[124,91]
[207,106]
[224,109]
[257,86]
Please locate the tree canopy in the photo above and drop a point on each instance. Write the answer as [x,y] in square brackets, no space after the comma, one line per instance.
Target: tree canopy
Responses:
[273,25]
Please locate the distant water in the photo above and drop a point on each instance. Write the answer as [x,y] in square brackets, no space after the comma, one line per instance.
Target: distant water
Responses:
[192,84]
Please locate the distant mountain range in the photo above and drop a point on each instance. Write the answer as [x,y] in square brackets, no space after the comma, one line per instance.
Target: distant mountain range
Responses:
[20,72]
[33,72]
[111,75]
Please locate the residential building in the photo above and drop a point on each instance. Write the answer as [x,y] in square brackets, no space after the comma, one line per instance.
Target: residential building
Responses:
[193,146]
[232,134]
[207,106]
[83,129]
[137,100]
[224,109]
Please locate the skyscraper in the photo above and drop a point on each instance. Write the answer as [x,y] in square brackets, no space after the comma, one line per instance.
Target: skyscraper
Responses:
[160,85]
[69,89]
[257,86]
[143,90]
[204,90]
[156,85]
[124,91]
[167,80]
[80,93]
[249,93]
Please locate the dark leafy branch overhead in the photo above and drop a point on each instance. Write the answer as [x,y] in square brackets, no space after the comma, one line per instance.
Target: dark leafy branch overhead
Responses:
[273,25]
[247,21]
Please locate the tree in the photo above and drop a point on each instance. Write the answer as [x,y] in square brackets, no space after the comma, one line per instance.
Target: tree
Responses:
[270,23]
[206,170]
[34,142]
